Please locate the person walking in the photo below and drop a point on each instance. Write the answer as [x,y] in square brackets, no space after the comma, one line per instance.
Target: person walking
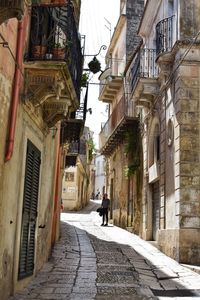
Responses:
[105,205]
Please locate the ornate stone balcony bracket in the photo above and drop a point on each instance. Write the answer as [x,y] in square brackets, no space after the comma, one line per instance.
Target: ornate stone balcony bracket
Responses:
[145,91]
[47,92]
[12,9]
[165,63]
[55,110]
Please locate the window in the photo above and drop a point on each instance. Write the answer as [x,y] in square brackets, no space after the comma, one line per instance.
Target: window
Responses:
[69,176]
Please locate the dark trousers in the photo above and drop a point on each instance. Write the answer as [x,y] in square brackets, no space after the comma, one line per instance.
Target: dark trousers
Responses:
[105,215]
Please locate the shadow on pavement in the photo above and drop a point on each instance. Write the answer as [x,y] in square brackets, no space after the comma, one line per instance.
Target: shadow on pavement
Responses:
[124,272]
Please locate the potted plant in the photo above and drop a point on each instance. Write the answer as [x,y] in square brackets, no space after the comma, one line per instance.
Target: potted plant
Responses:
[58,51]
[94,65]
[38,34]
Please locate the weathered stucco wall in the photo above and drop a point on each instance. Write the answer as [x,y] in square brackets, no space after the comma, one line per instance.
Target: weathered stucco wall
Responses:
[6,76]
[12,200]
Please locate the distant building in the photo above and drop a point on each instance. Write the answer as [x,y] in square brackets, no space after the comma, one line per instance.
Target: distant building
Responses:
[100,179]
[76,184]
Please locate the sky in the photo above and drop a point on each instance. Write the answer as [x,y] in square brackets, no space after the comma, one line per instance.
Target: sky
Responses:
[94,24]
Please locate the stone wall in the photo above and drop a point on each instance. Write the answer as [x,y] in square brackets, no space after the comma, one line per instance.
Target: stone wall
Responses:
[183,215]
[189,18]
[134,10]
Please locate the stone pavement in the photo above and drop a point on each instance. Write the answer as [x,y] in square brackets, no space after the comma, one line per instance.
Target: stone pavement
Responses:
[91,262]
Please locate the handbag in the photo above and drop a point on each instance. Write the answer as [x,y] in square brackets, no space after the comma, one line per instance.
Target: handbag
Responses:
[100,211]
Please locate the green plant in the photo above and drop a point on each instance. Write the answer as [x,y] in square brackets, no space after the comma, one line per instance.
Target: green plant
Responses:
[62,44]
[91,148]
[57,45]
[84,79]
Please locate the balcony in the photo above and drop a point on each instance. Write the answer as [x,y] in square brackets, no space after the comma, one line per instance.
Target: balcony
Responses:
[53,63]
[75,149]
[11,9]
[111,81]
[113,132]
[72,128]
[166,36]
[143,76]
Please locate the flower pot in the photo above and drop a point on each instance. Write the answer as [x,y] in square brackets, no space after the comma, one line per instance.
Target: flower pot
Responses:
[39,51]
[59,53]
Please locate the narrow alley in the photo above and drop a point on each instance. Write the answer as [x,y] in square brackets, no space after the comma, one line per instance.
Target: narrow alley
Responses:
[94,262]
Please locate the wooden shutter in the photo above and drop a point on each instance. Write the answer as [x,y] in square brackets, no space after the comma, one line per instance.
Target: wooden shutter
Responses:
[29,214]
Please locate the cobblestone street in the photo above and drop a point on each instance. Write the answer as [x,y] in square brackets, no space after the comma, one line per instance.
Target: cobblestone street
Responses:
[94,262]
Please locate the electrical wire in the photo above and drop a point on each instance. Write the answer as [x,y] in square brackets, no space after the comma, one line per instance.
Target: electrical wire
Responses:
[6,45]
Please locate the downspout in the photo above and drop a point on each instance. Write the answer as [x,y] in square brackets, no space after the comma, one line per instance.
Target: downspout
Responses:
[56,187]
[15,90]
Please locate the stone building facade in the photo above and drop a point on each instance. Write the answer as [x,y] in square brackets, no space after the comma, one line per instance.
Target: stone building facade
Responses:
[77,182]
[38,90]
[162,83]
[169,101]
[121,121]
[100,179]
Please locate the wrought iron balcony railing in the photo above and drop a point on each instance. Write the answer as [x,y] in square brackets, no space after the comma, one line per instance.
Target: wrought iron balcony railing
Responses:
[123,111]
[164,35]
[144,66]
[49,2]
[76,148]
[72,128]
[54,37]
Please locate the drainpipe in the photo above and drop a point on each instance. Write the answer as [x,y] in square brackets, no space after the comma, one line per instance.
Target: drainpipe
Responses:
[56,187]
[15,90]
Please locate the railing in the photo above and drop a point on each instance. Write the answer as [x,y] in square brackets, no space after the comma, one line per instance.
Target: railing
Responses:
[144,66]
[76,148]
[114,68]
[49,2]
[122,110]
[164,35]
[54,36]
[135,71]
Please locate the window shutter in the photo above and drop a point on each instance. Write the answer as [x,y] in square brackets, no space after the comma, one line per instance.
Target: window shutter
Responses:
[29,214]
